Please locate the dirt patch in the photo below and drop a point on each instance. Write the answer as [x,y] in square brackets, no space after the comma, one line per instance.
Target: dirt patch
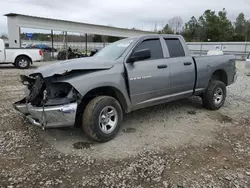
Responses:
[129,130]
[82,145]
[192,112]
[220,117]
[225,119]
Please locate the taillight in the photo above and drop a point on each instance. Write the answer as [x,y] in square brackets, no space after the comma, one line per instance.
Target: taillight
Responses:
[40,52]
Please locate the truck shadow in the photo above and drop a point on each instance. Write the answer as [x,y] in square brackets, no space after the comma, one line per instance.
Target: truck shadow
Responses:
[156,113]
[187,106]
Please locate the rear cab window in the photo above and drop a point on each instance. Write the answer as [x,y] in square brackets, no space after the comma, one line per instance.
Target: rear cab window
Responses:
[175,47]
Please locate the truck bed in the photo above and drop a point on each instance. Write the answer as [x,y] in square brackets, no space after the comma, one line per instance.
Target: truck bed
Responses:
[12,53]
[207,65]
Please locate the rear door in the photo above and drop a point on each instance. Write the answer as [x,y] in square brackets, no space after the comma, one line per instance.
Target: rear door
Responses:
[2,51]
[149,79]
[182,69]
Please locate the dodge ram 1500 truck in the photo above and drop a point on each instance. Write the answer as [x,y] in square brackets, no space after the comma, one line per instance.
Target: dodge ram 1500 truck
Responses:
[127,75]
[19,57]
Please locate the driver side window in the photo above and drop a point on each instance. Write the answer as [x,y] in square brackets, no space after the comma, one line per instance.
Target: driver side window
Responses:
[154,45]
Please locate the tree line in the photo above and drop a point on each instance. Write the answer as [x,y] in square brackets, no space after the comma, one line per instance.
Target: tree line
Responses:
[210,27]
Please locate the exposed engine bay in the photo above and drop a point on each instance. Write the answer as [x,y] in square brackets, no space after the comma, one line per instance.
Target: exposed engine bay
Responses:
[44,92]
[48,103]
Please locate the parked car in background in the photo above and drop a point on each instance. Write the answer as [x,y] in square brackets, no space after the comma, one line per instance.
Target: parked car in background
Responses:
[72,54]
[43,47]
[27,45]
[130,74]
[19,57]
[93,52]
[247,65]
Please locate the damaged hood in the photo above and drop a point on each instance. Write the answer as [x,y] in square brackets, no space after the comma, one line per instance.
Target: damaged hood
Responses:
[86,63]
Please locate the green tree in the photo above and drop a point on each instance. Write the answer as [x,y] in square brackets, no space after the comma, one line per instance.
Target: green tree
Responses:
[209,26]
[241,28]
[225,26]
[209,22]
[247,31]
[240,24]
[166,30]
[192,30]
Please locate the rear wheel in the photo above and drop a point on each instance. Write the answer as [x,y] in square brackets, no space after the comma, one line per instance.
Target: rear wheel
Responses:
[22,62]
[101,118]
[215,95]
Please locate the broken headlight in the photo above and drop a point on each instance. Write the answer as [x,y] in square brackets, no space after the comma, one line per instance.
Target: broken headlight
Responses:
[59,93]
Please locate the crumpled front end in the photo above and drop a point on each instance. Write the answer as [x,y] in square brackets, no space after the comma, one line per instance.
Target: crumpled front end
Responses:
[48,103]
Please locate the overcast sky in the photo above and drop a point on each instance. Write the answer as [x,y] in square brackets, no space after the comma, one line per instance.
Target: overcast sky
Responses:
[142,14]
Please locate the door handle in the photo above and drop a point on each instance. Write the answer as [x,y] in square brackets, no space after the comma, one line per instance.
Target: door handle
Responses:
[187,63]
[162,66]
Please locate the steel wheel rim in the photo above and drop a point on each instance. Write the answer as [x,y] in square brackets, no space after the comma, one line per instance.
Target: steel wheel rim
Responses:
[108,119]
[23,63]
[218,96]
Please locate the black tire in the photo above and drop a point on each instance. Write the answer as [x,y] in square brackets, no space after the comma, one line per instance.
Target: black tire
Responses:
[208,98]
[22,62]
[59,56]
[90,121]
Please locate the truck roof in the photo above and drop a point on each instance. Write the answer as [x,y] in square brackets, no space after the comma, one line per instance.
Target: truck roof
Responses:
[153,35]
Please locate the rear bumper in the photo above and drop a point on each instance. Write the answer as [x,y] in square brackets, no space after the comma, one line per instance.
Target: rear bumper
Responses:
[48,117]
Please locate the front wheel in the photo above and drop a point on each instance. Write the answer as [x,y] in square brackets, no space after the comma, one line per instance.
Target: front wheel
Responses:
[101,118]
[215,95]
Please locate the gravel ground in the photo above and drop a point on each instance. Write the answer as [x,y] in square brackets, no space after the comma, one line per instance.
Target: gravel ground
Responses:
[179,144]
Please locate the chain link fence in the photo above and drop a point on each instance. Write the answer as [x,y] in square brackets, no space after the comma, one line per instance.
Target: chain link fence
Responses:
[239,49]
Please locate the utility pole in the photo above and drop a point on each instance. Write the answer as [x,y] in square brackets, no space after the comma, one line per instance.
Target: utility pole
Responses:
[86,43]
[66,44]
[155,29]
[52,43]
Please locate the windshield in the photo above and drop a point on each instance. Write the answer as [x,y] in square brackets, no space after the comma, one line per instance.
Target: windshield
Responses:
[115,50]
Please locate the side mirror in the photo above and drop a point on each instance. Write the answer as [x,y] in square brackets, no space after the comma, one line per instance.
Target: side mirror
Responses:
[139,55]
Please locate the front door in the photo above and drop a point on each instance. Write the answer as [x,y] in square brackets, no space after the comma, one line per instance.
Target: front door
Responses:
[149,80]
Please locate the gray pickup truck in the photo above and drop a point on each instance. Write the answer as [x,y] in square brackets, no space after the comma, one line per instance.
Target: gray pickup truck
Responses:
[127,75]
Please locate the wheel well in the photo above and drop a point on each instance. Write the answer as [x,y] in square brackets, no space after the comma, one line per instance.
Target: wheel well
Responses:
[24,56]
[220,75]
[108,91]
